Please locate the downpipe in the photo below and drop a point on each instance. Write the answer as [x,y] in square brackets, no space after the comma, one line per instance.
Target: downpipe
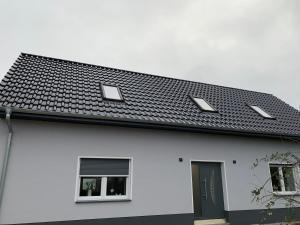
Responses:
[6,153]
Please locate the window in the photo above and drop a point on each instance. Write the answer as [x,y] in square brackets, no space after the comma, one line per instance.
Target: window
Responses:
[204,105]
[90,186]
[261,112]
[103,179]
[111,92]
[283,179]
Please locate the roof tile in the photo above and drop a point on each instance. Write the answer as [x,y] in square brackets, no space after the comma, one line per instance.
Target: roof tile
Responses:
[40,83]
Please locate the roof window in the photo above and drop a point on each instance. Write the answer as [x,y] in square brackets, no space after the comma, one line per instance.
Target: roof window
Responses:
[111,92]
[261,112]
[204,105]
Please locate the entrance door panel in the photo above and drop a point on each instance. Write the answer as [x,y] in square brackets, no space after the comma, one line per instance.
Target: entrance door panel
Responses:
[207,190]
[196,194]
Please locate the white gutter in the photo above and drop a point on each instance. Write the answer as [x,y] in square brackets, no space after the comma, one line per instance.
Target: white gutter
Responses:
[6,153]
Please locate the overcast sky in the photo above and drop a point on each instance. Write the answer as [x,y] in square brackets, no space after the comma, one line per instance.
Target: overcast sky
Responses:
[250,44]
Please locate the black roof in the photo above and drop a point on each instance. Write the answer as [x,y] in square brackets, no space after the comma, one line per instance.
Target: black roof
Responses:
[40,87]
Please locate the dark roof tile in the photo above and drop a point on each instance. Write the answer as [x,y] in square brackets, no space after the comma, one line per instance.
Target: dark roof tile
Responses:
[40,83]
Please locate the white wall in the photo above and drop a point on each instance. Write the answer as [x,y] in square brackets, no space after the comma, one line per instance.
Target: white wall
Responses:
[41,177]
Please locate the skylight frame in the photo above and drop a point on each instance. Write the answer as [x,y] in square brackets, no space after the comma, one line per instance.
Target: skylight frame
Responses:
[262,112]
[104,94]
[212,109]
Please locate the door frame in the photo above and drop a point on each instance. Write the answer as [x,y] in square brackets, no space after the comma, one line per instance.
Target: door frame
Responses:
[224,181]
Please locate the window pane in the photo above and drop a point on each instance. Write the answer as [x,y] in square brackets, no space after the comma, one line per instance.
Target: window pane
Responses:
[204,105]
[275,177]
[116,186]
[111,92]
[288,177]
[90,186]
[261,112]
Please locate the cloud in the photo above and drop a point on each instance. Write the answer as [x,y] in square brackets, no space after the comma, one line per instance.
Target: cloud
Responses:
[251,44]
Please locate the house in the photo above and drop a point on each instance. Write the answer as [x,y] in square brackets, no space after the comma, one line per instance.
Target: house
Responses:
[86,144]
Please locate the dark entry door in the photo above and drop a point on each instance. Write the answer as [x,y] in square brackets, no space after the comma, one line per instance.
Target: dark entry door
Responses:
[207,190]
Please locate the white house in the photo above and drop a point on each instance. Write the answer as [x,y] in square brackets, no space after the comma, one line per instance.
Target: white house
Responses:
[86,144]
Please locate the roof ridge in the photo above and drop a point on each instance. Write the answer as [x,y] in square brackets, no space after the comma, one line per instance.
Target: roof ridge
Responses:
[135,72]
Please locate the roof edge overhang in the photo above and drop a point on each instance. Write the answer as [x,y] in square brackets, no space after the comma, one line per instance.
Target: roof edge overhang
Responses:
[90,119]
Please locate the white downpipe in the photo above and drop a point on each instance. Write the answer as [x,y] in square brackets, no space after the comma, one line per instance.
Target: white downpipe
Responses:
[6,153]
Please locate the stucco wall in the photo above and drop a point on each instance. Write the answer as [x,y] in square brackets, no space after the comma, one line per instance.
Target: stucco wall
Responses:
[41,177]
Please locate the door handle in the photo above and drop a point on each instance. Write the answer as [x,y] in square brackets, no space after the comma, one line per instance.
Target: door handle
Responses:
[205,189]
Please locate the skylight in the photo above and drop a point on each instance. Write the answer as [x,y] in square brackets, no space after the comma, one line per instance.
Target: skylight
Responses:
[261,111]
[204,105]
[111,92]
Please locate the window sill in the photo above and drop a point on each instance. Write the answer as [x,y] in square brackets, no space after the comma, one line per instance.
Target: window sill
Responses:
[286,193]
[107,199]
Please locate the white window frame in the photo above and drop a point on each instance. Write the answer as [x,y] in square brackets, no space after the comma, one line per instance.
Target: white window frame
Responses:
[103,197]
[282,184]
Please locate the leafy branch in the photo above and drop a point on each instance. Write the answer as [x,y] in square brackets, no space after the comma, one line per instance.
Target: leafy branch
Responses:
[267,197]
